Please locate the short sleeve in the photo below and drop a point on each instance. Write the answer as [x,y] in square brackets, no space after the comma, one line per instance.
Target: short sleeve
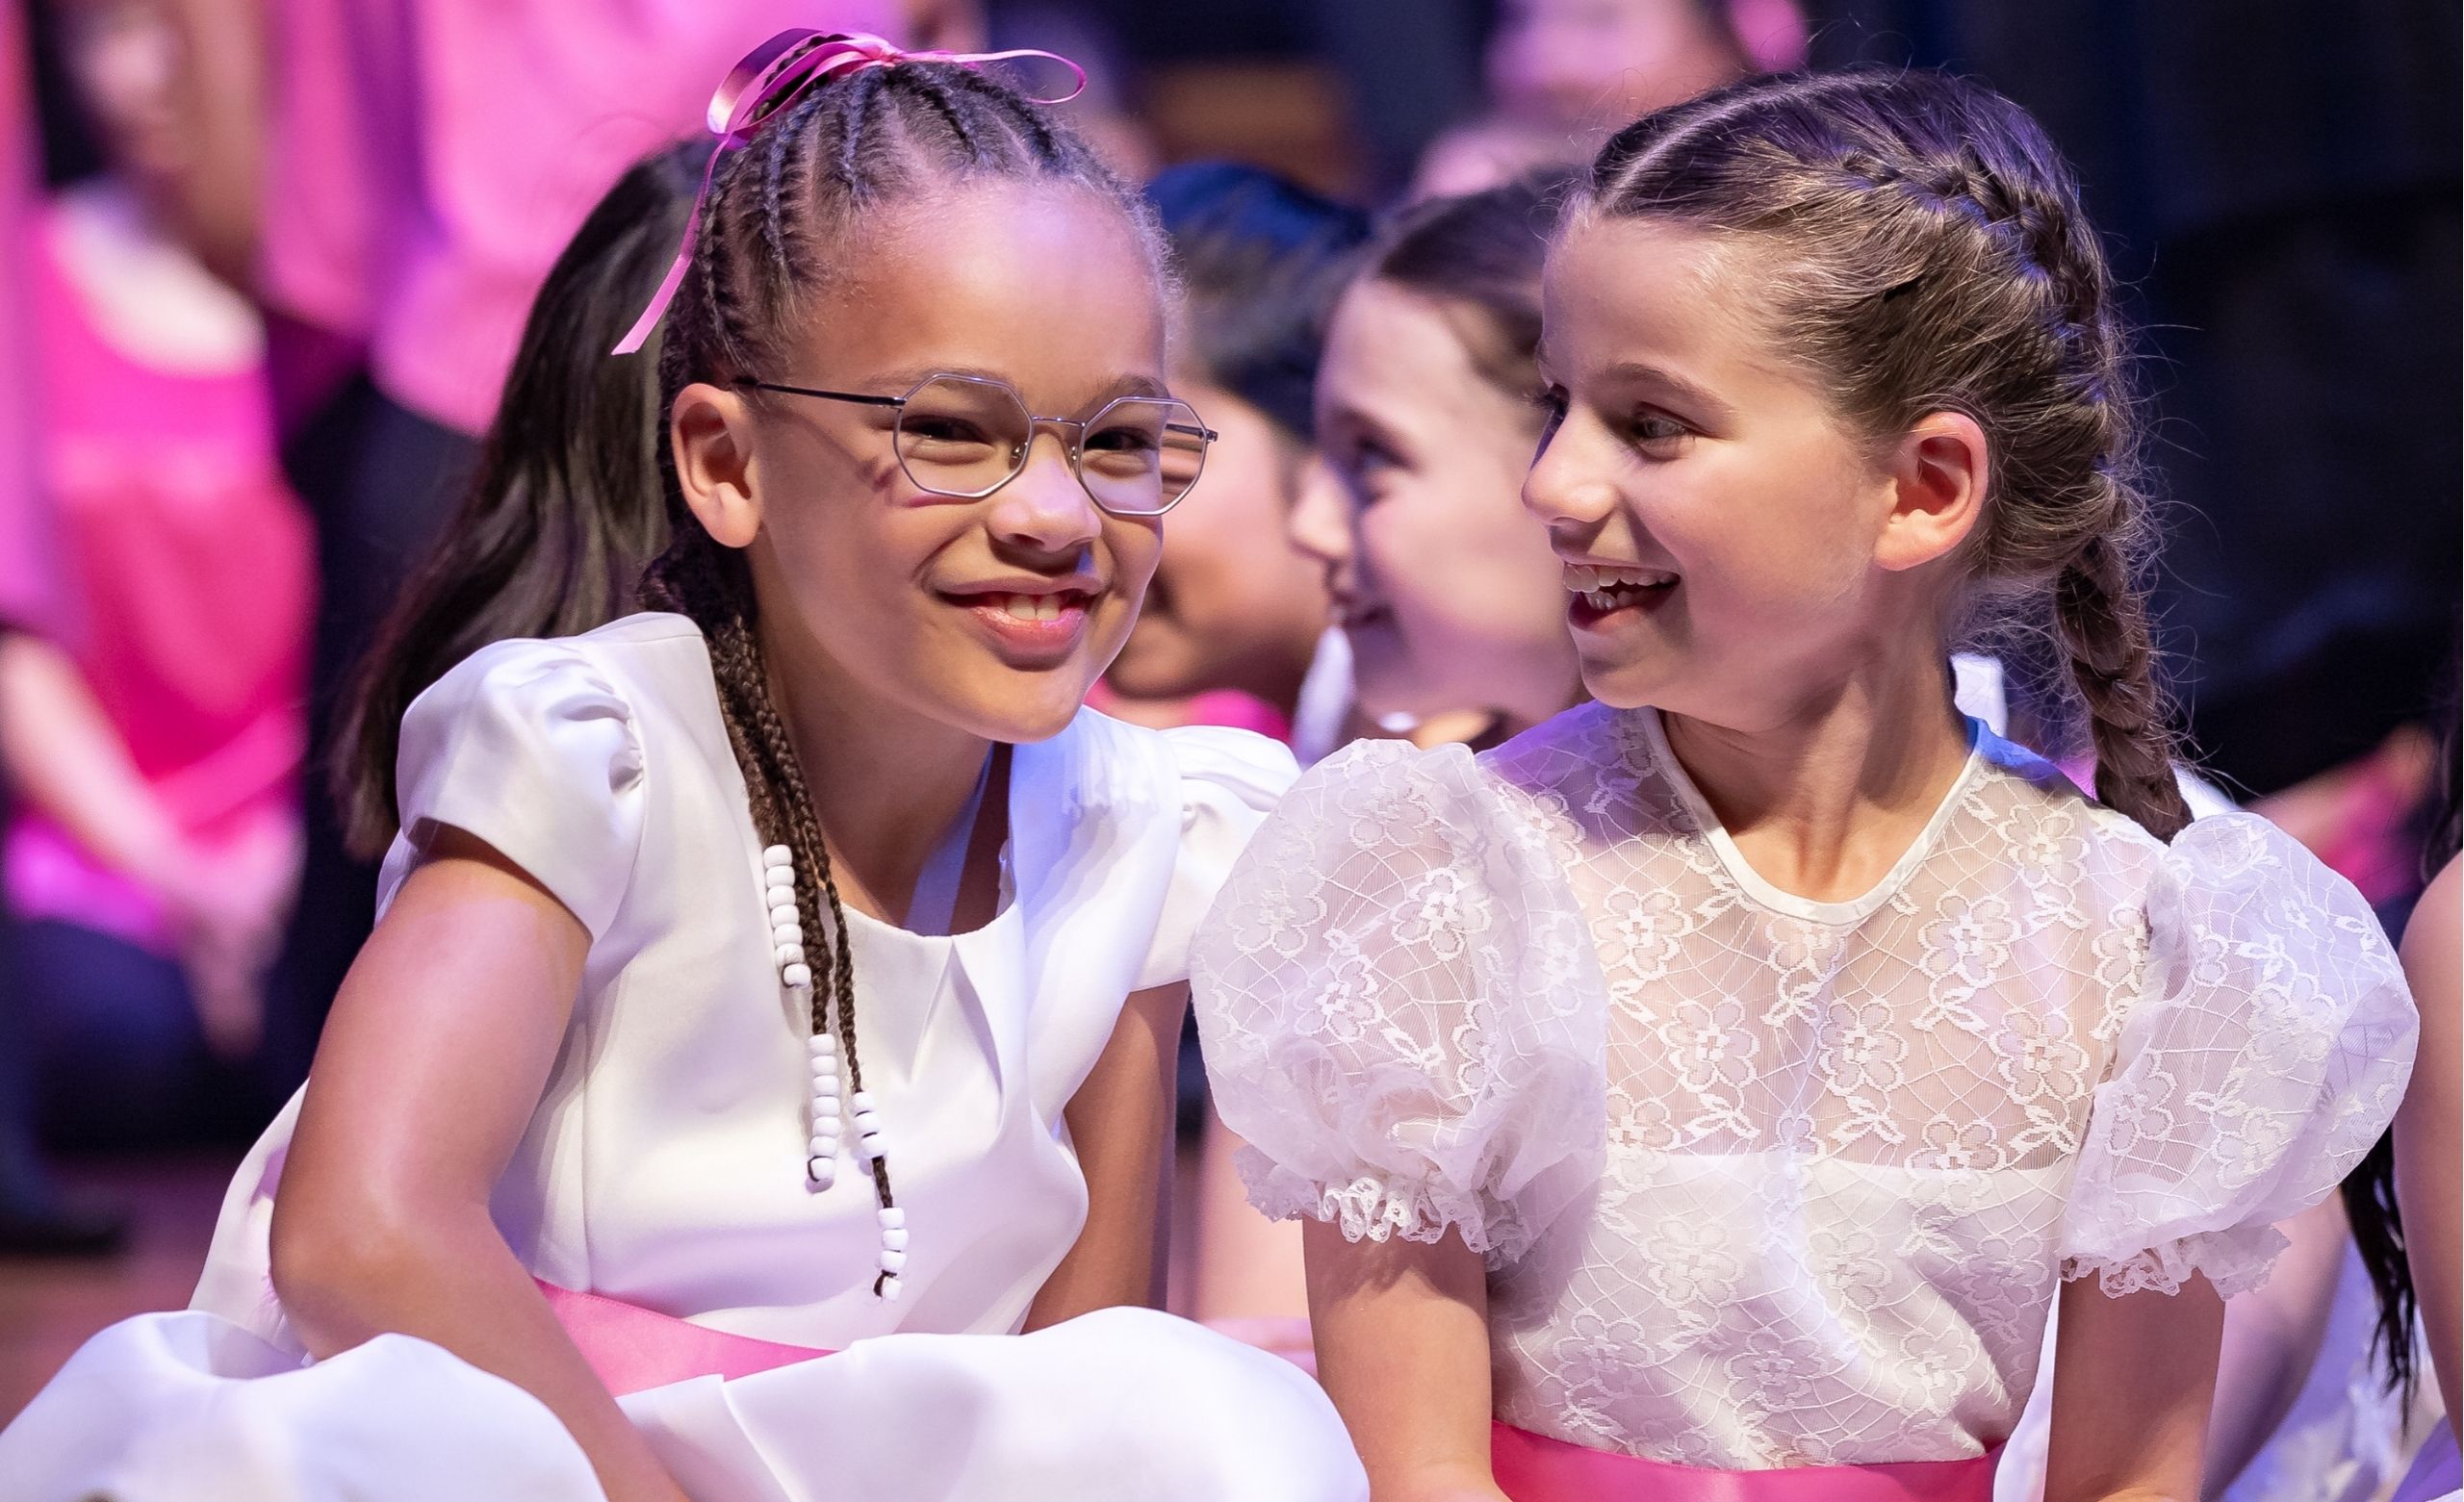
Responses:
[527,746]
[1400,1011]
[1228,780]
[2266,1050]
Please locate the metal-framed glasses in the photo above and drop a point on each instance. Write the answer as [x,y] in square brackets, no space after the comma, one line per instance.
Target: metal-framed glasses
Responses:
[966,436]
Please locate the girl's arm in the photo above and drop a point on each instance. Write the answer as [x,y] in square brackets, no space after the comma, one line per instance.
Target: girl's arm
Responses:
[2134,1377]
[63,757]
[2430,1158]
[431,1064]
[1121,1123]
[2273,1335]
[63,752]
[1402,1334]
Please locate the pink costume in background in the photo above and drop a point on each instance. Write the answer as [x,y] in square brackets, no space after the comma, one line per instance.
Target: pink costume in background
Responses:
[431,157]
[191,564]
[25,591]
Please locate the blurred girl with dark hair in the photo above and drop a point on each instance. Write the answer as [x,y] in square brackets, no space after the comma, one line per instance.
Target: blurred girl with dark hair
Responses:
[1427,409]
[1236,612]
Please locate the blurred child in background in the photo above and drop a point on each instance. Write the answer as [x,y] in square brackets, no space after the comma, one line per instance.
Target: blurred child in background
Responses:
[1237,613]
[153,734]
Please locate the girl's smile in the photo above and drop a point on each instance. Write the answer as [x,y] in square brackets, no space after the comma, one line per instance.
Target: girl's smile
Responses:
[1032,625]
[1604,593]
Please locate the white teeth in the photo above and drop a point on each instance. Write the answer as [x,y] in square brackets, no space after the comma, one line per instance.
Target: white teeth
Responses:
[1028,607]
[1587,580]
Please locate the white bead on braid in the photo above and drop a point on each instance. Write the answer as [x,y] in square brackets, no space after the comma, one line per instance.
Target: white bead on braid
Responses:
[821,1049]
[787,948]
[893,1250]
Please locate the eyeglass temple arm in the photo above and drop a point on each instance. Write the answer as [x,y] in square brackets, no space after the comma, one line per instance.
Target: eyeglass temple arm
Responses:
[865,397]
[871,400]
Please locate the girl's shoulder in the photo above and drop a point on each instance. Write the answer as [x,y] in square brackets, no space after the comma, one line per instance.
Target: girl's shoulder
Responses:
[1099,765]
[1142,824]
[653,665]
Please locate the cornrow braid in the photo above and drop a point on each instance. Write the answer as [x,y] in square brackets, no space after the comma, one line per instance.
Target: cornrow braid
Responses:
[1935,257]
[780,213]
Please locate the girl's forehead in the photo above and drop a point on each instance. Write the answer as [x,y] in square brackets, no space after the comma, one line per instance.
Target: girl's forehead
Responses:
[1613,285]
[1051,287]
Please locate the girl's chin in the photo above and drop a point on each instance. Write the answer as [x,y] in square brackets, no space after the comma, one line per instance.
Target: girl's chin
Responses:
[1624,682]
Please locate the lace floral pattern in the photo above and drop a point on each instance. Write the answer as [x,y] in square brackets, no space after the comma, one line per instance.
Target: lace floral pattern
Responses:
[1765,1181]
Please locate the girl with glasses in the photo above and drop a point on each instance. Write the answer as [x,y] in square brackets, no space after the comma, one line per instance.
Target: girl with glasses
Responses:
[794,967]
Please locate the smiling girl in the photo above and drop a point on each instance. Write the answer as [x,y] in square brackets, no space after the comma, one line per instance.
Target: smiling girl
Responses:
[1427,410]
[1710,1092]
[794,968]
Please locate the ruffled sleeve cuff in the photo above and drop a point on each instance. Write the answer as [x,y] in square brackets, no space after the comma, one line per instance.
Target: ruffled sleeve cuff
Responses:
[2266,1050]
[529,746]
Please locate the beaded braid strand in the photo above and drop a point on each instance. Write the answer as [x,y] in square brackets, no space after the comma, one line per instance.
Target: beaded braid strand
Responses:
[696,580]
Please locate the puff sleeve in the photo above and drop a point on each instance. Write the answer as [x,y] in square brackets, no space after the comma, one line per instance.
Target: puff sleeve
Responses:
[1400,1011]
[2266,1050]
[527,746]
[1228,780]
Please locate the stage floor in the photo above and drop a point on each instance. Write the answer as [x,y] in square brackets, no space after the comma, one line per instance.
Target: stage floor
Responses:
[49,1306]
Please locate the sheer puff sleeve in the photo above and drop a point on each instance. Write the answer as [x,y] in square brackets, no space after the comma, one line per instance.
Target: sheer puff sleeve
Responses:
[1400,1011]
[2266,1049]
[527,746]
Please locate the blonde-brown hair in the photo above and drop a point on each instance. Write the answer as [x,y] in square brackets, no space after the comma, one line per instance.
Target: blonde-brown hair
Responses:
[1928,252]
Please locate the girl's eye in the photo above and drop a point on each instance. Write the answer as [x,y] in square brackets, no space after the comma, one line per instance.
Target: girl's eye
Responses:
[937,430]
[1128,439]
[1656,430]
[1552,407]
[1370,465]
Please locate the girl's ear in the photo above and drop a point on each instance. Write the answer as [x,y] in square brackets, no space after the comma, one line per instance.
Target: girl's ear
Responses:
[712,429]
[1938,478]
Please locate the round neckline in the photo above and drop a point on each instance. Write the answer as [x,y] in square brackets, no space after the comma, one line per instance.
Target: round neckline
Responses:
[882,927]
[1844,910]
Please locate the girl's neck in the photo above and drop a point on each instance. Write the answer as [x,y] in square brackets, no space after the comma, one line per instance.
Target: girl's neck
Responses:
[1825,799]
[887,782]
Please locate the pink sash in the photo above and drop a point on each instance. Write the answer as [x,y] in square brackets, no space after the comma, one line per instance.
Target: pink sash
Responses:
[633,1348]
[1533,1468]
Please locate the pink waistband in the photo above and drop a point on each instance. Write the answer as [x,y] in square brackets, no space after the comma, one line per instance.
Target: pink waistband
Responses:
[1530,1467]
[633,1348]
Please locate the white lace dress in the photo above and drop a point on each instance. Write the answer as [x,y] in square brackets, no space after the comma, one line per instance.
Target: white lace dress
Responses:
[1764,1181]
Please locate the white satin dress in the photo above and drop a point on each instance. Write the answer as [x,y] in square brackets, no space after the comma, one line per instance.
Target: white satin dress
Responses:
[664,1167]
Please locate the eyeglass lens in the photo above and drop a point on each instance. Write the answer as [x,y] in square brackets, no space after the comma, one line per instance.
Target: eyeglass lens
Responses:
[958,436]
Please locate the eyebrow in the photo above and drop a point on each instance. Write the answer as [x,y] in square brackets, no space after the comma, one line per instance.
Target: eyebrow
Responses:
[1126,385]
[1690,392]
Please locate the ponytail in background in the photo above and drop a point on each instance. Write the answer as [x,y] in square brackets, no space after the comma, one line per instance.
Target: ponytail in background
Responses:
[567,507]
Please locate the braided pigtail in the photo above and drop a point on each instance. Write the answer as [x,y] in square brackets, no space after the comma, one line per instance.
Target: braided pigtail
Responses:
[2102,624]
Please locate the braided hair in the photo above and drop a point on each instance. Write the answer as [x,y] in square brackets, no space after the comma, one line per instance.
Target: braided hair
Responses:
[1930,253]
[781,215]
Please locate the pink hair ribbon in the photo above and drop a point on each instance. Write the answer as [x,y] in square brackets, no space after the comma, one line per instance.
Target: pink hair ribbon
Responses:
[767,79]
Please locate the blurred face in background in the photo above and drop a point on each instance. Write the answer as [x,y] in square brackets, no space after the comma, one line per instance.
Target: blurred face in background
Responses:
[1232,604]
[1447,588]
[130,63]
[1600,62]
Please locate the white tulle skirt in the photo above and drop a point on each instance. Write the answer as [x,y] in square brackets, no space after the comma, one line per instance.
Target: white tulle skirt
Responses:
[1119,1406]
